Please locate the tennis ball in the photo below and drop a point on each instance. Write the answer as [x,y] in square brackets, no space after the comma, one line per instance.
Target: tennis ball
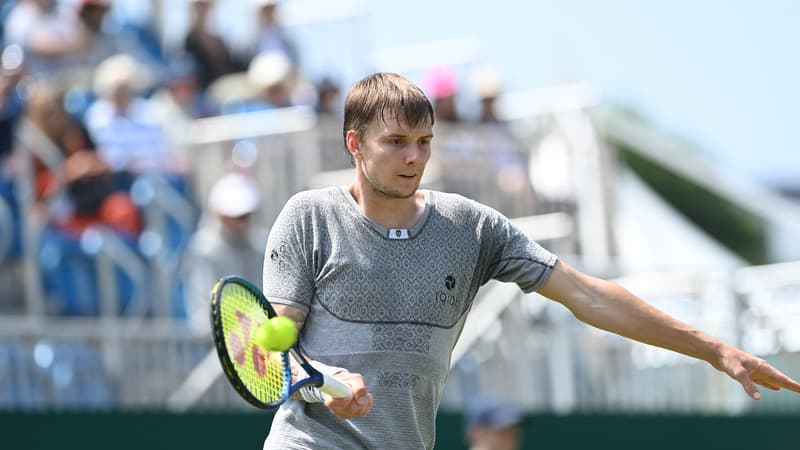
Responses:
[276,334]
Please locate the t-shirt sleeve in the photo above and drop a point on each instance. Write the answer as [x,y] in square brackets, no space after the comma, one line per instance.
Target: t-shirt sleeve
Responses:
[516,257]
[288,278]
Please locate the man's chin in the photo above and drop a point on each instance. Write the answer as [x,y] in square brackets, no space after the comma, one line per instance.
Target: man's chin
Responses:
[397,194]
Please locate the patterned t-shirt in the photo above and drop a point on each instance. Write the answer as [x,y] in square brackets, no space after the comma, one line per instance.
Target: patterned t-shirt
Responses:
[386,303]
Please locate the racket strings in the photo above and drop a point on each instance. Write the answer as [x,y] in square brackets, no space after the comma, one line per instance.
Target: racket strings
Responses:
[264,374]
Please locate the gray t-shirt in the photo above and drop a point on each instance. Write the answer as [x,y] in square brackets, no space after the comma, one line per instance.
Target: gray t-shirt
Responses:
[389,304]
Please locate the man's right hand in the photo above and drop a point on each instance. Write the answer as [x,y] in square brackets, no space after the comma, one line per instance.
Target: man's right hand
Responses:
[357,405]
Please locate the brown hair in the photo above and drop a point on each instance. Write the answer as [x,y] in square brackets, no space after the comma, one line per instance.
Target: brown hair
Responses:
[386,96]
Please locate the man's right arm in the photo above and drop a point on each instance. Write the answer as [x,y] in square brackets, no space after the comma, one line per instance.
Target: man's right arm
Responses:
[611,307]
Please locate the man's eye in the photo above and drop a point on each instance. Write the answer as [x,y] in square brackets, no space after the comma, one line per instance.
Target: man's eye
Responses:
[396,141]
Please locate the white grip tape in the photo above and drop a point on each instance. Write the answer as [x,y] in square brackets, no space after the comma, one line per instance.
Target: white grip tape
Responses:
[330,385]
[324,368]
[334,387]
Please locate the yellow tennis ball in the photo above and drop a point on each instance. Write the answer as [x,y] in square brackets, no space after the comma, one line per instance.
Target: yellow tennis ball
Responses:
[276,334]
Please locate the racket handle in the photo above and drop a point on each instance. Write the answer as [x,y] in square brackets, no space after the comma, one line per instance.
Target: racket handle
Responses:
[334,387]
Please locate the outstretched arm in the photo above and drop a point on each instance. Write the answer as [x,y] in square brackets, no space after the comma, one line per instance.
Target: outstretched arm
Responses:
[611,307]
[361,401]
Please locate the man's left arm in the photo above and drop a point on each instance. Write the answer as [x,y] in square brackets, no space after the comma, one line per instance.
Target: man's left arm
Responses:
[609,306]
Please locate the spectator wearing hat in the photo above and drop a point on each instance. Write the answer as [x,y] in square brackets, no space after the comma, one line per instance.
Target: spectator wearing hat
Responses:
[493,424]
[441,84]
[270,82]
[488,85]
[122,121]
[227,242]
[508,158]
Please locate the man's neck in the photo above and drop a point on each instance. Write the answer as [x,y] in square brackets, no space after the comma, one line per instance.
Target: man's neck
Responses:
[388,212]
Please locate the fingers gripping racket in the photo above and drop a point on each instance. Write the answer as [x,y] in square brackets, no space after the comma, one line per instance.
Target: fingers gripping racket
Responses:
[260,376]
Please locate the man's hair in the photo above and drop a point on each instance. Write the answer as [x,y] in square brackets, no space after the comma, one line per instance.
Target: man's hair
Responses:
[385,96]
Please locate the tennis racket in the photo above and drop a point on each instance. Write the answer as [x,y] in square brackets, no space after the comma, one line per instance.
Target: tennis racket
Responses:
[262,377]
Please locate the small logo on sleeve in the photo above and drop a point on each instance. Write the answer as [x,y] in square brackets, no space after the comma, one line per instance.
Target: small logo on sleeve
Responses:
[278,256]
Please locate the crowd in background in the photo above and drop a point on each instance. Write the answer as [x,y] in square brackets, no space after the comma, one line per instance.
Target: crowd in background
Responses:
[95,104]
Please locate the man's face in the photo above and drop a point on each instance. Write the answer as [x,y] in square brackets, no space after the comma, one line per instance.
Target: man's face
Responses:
[392,156]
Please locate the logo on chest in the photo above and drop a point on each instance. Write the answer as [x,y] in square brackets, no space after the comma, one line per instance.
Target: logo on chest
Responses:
[446,297]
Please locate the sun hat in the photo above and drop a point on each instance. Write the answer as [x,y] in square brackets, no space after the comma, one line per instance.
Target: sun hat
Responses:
[234,195]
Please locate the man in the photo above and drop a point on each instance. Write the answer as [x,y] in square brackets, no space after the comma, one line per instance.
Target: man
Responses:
[380,275]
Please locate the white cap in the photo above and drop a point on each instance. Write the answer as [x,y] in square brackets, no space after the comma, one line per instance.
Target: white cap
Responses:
[263,3]
[268,69]
[487,82]
[116,70]
[234,195]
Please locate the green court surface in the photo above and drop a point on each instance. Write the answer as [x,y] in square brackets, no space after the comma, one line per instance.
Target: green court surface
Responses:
[217,431]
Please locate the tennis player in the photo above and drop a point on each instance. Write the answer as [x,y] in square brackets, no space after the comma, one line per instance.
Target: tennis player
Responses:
[380,276]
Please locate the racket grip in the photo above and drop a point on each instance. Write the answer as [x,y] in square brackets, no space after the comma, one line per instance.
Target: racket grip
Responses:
[334,387]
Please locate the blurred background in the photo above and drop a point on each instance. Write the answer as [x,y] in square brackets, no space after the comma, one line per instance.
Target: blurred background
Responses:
[147,146]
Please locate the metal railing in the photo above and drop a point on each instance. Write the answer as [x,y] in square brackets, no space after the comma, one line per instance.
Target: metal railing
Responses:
[546,359]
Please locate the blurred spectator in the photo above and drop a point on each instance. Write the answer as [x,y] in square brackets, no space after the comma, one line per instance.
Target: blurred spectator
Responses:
[441,84]
[456,144]
[80,190]
[330,110]
[44,113]
[271,75]
[507,156]
[102,45]
[59,37]
[94,199]
[179,101]
[488,85]
[270,82]
[207,49]
[227,242]
[12,103]
[122,121]
[270,34]
[45,32]
[329,101]
[493,424]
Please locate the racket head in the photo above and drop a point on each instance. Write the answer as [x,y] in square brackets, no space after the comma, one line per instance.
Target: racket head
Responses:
[238,308]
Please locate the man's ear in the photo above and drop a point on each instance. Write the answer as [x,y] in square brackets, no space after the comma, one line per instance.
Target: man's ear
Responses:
[353,142]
